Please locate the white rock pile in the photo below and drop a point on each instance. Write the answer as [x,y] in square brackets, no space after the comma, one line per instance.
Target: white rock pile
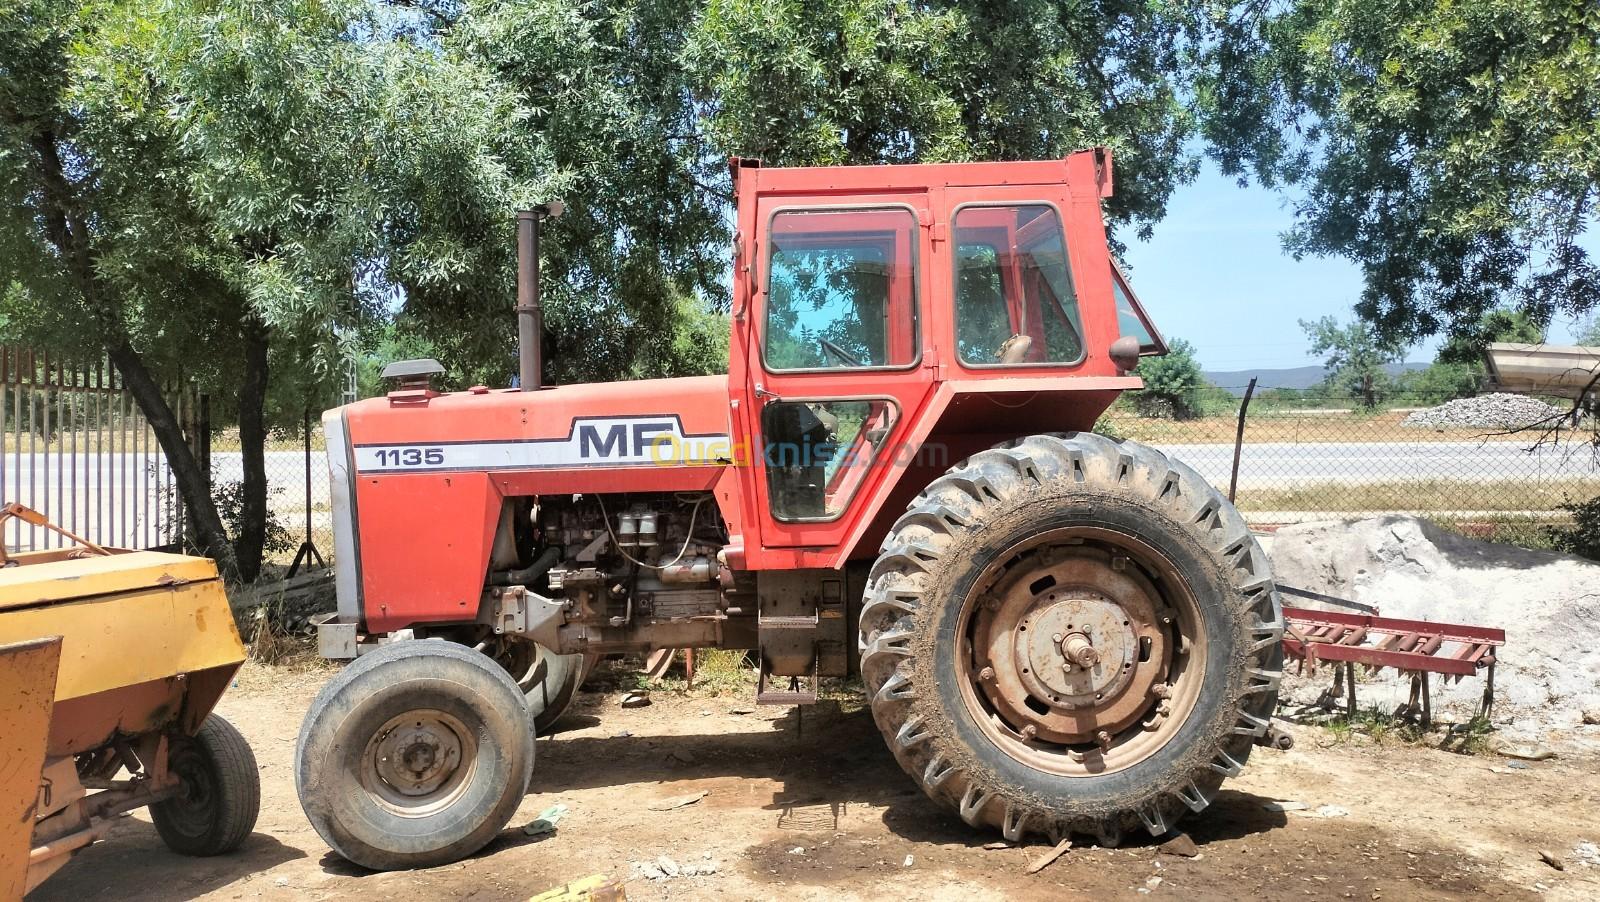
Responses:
[1496,411]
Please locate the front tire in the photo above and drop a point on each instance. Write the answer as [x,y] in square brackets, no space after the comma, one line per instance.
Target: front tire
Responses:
[415,755]
[1153,661]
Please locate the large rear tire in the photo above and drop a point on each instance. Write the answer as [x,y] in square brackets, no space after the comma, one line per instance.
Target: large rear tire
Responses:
[415,755]
[1154,654]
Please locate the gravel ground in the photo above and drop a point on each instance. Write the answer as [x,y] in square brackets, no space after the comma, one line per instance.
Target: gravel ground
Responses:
[811,806]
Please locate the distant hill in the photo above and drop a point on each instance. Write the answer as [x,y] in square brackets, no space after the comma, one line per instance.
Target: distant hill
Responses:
[1293,377]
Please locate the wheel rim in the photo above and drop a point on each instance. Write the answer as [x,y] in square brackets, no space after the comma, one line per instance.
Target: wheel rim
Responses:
[192,810]
[1082,651]
[419,762]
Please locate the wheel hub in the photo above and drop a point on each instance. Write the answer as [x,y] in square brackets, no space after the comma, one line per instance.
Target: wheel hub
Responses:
[1079,649]
[1078,653]
[417,755]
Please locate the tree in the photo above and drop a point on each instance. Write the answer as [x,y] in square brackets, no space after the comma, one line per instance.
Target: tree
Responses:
[1466,347]
[1355,357]
[1589,334]
[237,177]
[1172,383]
[1451,149]
[1458,369]
[887,81]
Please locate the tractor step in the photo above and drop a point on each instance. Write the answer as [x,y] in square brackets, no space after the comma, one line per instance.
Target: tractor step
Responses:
[794,695]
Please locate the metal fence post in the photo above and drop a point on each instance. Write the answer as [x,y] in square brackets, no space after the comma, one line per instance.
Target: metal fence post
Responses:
[1238,440]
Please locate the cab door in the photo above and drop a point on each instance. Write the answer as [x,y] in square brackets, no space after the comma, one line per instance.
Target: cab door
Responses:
[837,368]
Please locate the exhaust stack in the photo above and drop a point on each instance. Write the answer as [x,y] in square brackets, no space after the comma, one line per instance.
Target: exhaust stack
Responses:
[530,314]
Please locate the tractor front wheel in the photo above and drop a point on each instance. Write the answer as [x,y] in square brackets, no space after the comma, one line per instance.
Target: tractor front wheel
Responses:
[1071,635]
[415,755]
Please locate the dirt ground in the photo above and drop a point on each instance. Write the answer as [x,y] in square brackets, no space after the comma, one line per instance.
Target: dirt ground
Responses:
[811,806]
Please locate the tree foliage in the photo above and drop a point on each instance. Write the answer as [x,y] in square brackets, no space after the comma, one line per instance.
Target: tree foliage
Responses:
[1173,383]
[1355,355]
[1452,149]
[887,81]
[1466,347]
[202,187]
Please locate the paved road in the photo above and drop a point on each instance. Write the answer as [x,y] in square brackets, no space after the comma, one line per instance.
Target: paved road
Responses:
[1284,464]
[120,498]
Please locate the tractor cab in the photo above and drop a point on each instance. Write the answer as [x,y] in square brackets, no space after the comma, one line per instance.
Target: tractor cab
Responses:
[860,292]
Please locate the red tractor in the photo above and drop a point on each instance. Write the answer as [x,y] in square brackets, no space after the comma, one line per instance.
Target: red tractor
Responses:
[1058,632]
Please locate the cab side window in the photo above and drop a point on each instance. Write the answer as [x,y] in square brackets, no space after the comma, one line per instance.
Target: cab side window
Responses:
[841,290]
[1014,299]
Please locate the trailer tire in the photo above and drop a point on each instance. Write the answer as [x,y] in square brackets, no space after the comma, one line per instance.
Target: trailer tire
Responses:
[415,755]
[220,798]
[1073,534]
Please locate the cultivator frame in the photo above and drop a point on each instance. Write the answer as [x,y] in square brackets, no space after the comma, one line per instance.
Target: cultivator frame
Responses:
[1418,648]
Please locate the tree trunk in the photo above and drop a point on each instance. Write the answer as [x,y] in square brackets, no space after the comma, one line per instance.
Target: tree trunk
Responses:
[193,485]
[250,542]
[67,229]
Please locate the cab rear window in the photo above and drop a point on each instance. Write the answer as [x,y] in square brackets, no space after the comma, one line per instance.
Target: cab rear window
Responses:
[1131,318]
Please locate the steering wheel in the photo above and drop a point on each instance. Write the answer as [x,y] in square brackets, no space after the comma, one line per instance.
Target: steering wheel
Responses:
[848,358]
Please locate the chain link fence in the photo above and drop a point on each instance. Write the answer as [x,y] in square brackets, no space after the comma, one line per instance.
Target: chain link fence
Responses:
[1494,466]
[299,512]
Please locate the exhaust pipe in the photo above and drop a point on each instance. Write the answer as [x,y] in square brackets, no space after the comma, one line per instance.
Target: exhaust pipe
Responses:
[530,314]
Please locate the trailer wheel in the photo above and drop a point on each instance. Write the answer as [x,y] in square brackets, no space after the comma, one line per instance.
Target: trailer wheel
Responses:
[415,755]
[1070,634]
[220,794]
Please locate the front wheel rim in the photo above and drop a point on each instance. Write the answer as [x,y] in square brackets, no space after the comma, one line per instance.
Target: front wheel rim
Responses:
[1082,651]
[419,763]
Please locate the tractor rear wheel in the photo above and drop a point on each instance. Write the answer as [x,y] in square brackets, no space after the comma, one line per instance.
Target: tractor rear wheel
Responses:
[1071,635]
[415,755]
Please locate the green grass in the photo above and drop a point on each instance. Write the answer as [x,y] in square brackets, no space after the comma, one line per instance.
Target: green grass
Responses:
[1384,728]
[717,672]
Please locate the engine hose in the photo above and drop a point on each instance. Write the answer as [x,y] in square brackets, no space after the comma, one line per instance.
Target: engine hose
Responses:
[529,574]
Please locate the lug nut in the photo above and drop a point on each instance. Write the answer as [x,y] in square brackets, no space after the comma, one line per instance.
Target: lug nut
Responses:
[986,674]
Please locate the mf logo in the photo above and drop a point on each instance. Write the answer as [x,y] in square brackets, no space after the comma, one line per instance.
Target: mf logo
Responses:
[656,440]
[626,439]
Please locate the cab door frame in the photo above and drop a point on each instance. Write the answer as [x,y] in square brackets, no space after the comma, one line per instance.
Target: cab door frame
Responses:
[772,542]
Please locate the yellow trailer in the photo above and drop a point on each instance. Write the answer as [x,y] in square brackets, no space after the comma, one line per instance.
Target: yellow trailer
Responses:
[110,664]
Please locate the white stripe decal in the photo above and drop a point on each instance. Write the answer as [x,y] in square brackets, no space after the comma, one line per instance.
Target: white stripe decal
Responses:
[593,442]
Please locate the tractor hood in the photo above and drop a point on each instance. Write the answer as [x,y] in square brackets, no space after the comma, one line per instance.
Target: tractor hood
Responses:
[658,421]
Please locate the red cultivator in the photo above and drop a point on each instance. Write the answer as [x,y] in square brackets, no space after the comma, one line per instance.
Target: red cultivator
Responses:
[1419,648]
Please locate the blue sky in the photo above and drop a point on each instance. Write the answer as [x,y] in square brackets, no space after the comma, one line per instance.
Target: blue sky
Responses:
[1215,273]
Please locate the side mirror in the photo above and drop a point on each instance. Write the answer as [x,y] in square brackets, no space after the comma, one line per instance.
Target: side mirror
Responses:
[1125,354]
